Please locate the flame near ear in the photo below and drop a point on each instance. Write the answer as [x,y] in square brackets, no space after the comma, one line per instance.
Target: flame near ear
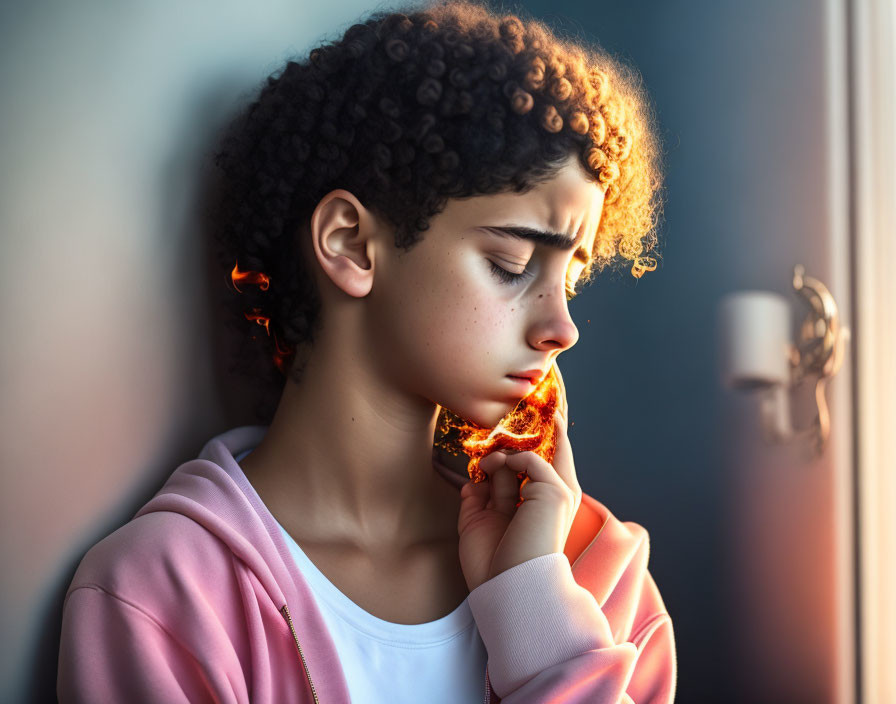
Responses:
[529,426]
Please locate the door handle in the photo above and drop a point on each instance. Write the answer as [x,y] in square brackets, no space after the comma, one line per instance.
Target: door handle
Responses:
[758,353]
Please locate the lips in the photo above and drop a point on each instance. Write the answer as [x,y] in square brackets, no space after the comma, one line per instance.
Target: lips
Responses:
[532,375]
[522,383]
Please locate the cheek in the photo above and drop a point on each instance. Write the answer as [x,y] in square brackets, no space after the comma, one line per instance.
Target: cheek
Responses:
[451,313]
[468,326]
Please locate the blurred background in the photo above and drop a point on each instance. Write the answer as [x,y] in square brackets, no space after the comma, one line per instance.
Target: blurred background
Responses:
[776,563]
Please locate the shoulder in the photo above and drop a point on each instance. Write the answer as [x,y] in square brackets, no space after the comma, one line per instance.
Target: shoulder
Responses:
[153,559]
[154,607]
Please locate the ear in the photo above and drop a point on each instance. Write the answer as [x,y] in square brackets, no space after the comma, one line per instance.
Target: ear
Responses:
[342,236]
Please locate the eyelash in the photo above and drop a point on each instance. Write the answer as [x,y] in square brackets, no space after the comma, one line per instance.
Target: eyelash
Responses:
[509,277]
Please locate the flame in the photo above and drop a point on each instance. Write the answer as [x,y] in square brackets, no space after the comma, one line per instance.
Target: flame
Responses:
[255,314]
[284,353]
[283,356]
[249,277]
[529,426]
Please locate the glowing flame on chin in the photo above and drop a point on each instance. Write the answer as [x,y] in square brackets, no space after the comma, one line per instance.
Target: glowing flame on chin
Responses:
[529,426]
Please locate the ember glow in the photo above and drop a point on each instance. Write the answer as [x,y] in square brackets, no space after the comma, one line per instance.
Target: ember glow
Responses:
[249,277]
[255,314]
[529,426]
[283,353]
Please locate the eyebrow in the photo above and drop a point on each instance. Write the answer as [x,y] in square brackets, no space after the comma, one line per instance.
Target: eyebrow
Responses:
[550,239]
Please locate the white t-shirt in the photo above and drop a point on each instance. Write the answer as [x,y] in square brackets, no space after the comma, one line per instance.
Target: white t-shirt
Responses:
[440,662]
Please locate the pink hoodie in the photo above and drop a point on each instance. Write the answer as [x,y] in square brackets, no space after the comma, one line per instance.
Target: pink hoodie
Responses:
[198,599]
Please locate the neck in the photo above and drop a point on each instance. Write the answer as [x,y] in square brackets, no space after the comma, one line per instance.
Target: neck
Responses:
[348,458]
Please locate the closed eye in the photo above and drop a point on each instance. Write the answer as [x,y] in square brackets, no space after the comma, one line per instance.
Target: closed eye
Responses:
[510,277]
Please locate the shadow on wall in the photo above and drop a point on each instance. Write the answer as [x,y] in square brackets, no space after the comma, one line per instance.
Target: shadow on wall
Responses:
[241,397]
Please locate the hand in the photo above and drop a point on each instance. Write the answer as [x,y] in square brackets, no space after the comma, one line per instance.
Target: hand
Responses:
[495,534]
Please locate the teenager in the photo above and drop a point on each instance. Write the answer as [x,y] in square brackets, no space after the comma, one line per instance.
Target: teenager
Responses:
[405,216]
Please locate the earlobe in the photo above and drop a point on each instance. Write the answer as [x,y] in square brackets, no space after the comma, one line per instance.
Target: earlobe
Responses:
[341,236]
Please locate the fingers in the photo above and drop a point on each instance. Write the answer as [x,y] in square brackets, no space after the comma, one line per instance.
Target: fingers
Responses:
[505,491]
[492,461]
[561,473]
[537,469]
[502,482]
[473,497]
[564,464]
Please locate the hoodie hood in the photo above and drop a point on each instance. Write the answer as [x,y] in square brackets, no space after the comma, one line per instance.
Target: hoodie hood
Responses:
[213,491]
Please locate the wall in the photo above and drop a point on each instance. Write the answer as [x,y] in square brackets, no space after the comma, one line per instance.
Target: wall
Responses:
[110,368]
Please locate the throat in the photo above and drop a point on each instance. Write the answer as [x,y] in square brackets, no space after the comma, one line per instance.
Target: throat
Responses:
[414,587]
[327,523]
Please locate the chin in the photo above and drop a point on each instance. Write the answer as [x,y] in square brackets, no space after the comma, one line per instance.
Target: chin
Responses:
[485,415]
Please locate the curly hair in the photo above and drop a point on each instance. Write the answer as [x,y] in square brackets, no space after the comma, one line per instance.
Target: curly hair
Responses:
[410,109]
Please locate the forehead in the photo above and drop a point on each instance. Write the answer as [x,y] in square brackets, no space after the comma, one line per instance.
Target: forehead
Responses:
[563,212]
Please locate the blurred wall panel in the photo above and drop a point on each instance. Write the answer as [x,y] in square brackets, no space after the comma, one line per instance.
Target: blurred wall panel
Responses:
[874,135]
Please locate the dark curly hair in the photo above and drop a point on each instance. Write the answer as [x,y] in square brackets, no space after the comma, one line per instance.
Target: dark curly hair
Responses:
[407,110]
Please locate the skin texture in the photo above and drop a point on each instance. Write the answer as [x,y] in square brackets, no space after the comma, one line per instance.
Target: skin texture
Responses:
[348,455]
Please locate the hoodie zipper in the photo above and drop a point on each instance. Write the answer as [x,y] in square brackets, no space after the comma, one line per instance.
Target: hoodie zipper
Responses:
[285,611]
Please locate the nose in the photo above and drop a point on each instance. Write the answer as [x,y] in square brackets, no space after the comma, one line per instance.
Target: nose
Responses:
[553,328]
